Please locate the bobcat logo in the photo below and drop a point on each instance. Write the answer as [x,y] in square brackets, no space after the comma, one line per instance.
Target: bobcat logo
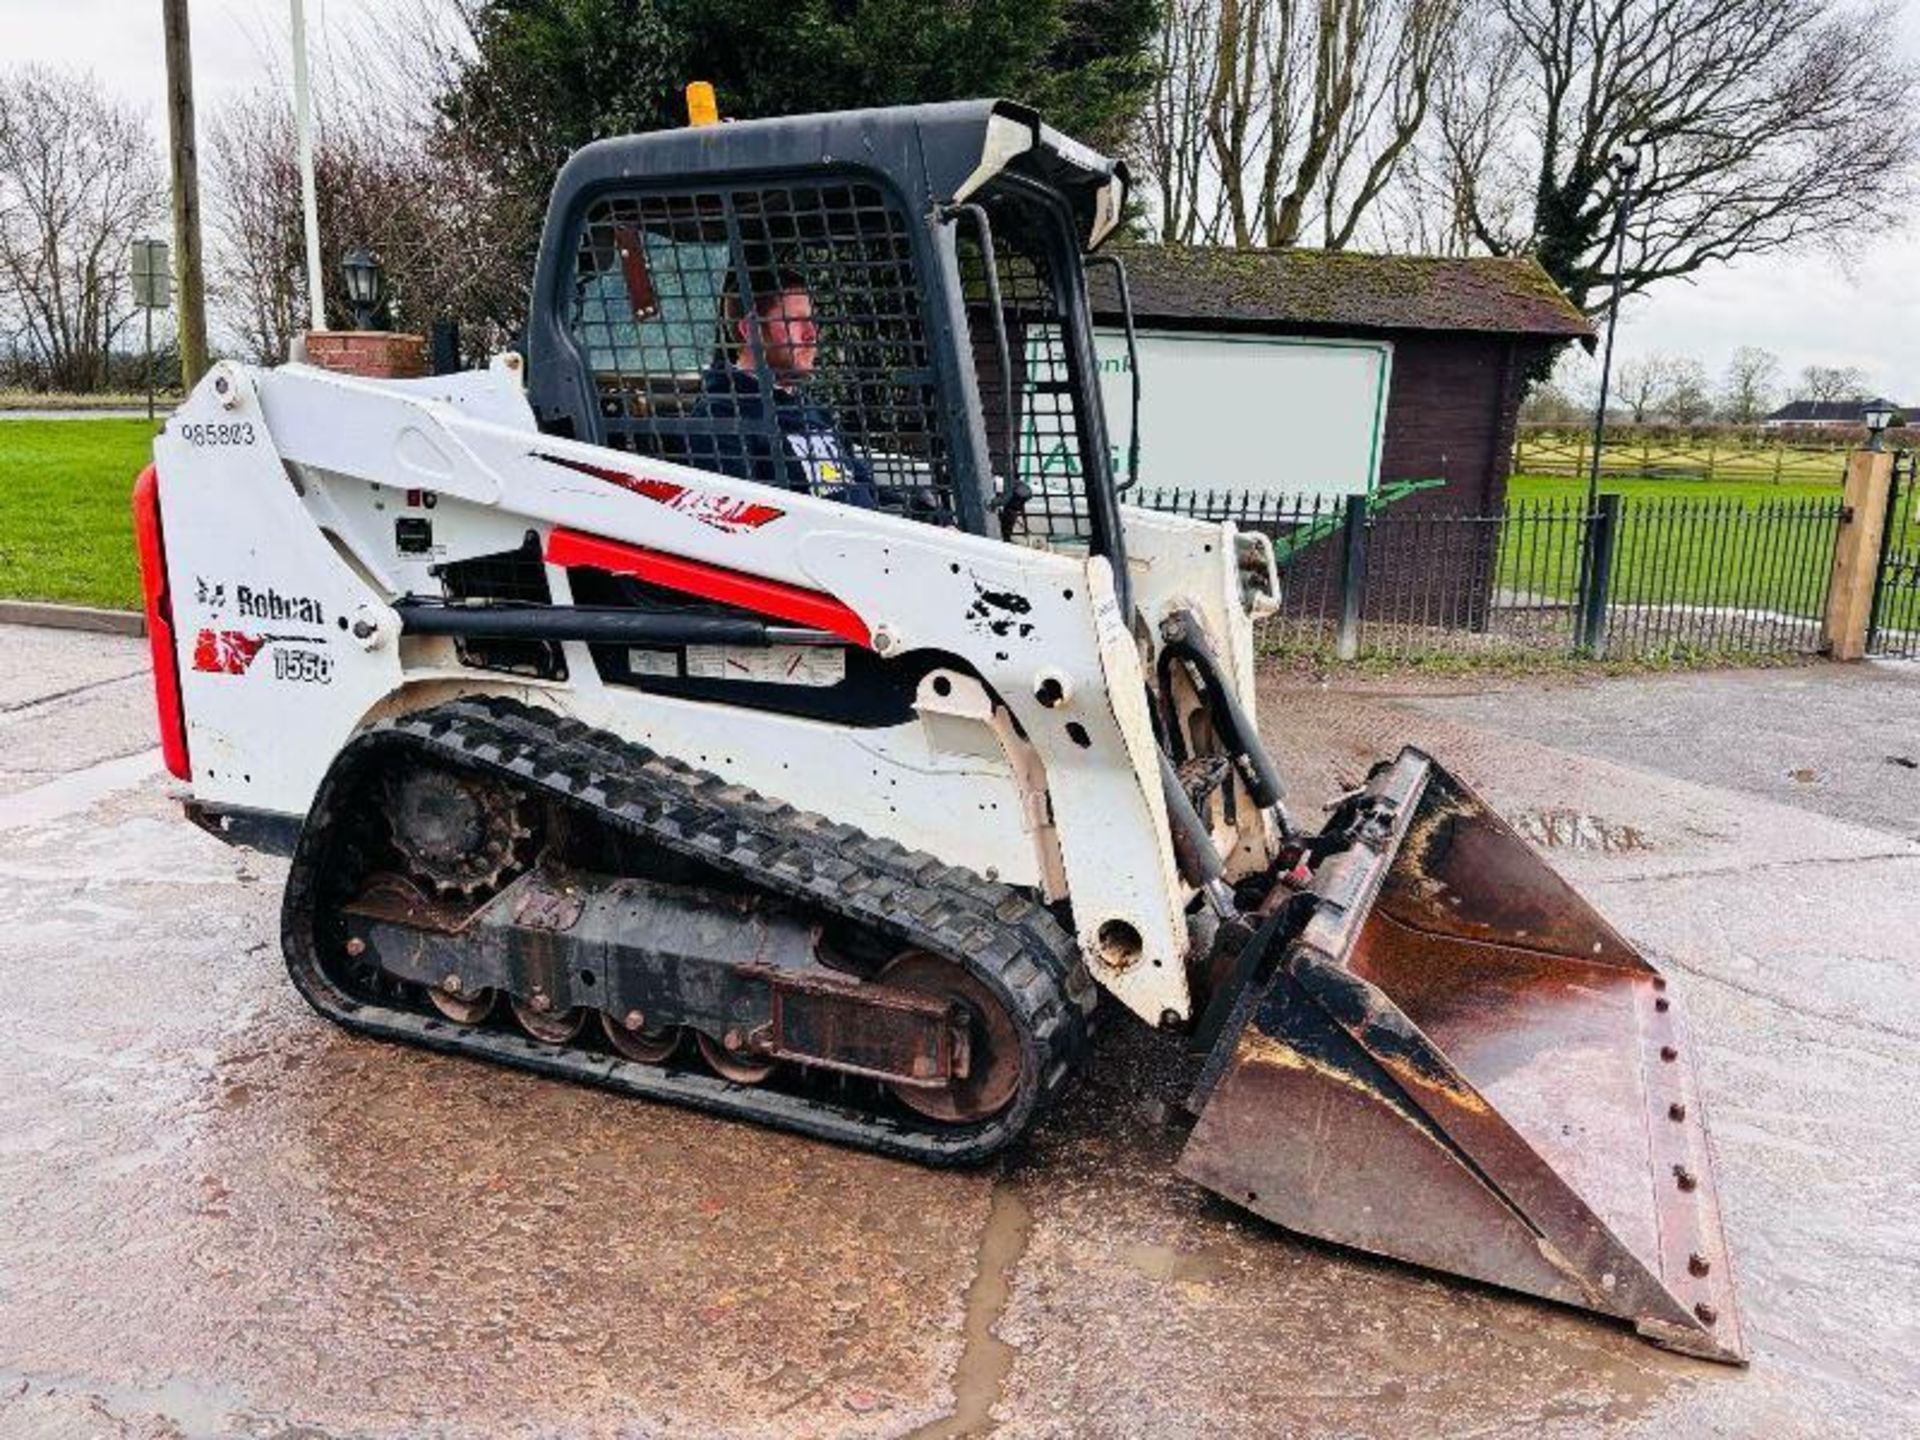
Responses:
[227,652]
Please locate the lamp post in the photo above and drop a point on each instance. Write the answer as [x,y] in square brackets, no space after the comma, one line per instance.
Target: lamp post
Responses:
[1878,415]
[364,282]
[1626,165]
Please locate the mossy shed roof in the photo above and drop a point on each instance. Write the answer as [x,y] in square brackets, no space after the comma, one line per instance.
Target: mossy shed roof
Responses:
[1338,290]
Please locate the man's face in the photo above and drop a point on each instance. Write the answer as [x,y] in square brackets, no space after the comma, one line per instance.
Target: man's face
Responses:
[789,339]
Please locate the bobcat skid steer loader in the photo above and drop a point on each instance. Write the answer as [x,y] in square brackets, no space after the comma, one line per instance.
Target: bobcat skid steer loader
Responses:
[760,700]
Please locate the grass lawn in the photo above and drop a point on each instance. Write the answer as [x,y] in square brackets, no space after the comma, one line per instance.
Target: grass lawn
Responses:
[1756,545]
[66,517]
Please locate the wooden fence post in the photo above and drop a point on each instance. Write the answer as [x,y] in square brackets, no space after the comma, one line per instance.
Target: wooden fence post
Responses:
[1856,554]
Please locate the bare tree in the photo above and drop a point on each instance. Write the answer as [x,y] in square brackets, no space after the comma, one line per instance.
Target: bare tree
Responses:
[79,180]
[1830,383]
[1662,386]
[1747,388]
[1637,385]
[1173,128]
[1548,404]
[1687,400]
[1277,123]
[258,289]
[391,175]
[1760,126]
[1460,167]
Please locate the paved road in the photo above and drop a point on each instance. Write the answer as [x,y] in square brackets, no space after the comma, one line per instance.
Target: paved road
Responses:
[161,411]
[218,1215]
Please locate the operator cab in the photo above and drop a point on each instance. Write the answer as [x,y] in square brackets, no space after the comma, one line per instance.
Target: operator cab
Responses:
[937,251]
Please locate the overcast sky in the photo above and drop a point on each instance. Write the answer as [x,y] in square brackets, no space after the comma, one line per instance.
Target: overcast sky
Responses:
[1809,310]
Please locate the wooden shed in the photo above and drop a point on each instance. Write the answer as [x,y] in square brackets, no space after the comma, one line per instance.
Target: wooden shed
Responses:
[1466,333]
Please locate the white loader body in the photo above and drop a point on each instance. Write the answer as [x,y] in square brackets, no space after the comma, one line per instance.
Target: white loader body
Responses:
[285,496]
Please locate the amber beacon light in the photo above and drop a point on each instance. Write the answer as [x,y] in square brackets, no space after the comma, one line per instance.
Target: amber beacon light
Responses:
[702,107]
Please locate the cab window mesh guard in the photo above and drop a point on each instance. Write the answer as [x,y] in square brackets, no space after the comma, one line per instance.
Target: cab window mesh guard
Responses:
[1046,455]
[684,303]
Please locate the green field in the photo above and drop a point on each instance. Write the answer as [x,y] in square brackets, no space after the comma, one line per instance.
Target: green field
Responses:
[66,522]
[1756,546]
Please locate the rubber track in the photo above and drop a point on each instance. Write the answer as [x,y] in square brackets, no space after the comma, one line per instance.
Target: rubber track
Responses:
[1008,941]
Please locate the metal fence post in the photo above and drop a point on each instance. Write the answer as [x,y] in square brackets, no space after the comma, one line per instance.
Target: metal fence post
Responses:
[1903,469]
[1603,528]
[1353,577]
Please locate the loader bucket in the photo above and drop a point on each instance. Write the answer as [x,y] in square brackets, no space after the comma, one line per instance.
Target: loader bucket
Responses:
[1457,1062]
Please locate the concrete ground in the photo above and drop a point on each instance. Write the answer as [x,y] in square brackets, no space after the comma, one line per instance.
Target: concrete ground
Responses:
[221,1216]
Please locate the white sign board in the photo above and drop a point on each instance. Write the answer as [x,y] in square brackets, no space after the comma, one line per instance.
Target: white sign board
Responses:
[1267,414]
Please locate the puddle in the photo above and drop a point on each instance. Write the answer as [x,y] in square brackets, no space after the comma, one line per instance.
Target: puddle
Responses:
[1571,830]
[987,1360]
[1163,1262]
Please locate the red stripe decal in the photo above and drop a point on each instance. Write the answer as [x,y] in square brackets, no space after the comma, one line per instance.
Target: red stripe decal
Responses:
[710,582]
[709,507]
[153,585]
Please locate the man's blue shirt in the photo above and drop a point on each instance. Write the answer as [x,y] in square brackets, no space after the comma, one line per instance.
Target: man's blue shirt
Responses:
[797,447]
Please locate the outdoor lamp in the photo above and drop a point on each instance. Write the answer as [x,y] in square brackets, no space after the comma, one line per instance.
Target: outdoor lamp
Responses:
[1878,417]
[363,276]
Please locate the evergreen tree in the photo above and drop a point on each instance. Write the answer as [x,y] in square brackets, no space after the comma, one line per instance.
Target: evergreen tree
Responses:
[545,77]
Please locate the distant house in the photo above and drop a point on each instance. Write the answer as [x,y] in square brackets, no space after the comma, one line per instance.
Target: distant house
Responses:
[1831,414]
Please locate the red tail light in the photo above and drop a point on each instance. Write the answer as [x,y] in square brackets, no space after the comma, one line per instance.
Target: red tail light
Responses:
[153,583]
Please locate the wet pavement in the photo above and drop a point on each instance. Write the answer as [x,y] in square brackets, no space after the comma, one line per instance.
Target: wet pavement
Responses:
[219,1215]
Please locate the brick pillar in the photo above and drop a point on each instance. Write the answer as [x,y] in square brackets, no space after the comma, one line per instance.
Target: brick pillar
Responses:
[372,354]
[1856,554]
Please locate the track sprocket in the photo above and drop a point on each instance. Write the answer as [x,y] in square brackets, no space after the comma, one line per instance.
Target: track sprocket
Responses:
[461,834]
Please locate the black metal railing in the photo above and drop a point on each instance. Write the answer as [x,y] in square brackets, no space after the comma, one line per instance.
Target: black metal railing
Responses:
[1893,626]
[1896,625]
[1670,576]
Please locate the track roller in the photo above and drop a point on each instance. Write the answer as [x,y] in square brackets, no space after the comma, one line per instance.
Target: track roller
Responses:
[635,1040]
[546,1024]
[740,1069]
